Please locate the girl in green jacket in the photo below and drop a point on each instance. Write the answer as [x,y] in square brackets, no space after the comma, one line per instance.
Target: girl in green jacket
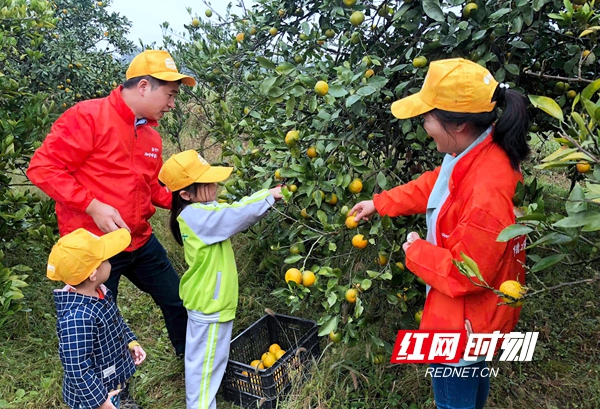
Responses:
[209,288]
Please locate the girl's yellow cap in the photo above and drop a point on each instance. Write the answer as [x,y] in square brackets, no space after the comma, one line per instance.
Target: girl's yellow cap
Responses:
[185,168]
[455,85]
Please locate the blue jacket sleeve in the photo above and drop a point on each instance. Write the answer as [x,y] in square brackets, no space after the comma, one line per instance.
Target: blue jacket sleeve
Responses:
[76,342]
[215,222]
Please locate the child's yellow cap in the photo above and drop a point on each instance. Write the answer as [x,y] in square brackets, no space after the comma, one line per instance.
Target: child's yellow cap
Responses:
[75,256]
[455,85]
[189,167]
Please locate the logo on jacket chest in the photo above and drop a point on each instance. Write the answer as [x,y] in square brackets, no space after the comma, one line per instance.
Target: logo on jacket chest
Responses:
[153,153]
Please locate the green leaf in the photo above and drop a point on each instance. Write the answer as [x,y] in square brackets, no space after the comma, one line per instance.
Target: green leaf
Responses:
[352,99]
[589,217]
[294,258]
[337,91]
[547,262]
[366,90]
[290,105]
[331,299]
[285,68]
[377,81]
[513,231]
[557,17]
[433,10]
[267,84]
[576,203]
[591,89]
[386,276]
[381,180]
[548,105]
[592,109]
[265,63]
[472,265]
[499,13]
[512,68]
[358,308]
[329,325]
[552,238]
[354,161]
[559,154]
[307,81]
[538,4]
[322,216]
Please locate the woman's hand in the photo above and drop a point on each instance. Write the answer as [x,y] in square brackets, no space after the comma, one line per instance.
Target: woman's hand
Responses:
[410,239]
[363,210]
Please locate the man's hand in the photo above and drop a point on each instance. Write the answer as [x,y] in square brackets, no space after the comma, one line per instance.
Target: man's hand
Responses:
[362,210]
[106,217]
[138,354]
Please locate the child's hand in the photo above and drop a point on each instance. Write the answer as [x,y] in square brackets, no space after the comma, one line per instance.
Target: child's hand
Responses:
[108,404]
[276,193]
[138,354]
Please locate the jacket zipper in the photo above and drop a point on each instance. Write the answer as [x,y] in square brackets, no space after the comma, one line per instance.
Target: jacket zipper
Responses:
[133,167]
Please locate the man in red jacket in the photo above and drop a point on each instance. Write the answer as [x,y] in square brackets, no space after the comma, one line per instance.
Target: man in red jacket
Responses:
[100,164]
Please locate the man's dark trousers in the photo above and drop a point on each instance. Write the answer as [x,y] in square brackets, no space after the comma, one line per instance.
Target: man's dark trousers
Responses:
[150,270]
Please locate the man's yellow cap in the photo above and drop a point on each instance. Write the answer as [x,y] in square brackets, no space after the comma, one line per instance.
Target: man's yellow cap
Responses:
[455,85]
[158,64]
[76,255]
[189,167]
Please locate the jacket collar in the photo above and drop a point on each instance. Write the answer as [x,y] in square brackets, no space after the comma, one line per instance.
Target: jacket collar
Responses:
[463,166]
[65,299]
[116,100]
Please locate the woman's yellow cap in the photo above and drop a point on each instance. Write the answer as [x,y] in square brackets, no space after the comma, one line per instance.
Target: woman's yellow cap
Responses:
[455,85]
[185,168]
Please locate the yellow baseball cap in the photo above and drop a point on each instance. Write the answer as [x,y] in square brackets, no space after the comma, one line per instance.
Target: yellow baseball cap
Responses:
[158,64]
[76,255]
[455,85]
[185,168]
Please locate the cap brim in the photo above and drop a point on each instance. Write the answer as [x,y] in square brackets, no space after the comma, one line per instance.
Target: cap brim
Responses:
[115,242]
[215,174]
[410,107]
[175,76]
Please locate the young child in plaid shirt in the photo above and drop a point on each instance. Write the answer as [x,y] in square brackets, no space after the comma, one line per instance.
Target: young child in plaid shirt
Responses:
[97,349]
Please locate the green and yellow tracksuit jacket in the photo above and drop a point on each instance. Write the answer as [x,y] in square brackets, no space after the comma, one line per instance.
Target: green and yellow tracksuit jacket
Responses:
[210,285]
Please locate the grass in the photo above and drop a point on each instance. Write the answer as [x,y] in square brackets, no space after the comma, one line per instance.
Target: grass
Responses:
[564,372]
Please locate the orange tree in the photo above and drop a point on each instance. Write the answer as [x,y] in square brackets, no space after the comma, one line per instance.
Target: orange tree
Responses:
[46,64]
[299,93]
[80,56]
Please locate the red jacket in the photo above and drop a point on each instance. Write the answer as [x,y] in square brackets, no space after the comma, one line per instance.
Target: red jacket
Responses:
[478,208]
[94,150]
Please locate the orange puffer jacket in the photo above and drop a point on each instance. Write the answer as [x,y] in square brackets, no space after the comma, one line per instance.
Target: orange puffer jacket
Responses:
[96,150]
[478,208]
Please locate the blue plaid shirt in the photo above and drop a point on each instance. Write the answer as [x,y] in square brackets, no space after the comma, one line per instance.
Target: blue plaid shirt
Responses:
[93,347]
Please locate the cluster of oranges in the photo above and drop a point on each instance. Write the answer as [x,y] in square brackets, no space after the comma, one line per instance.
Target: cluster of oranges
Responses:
[267,359]
[306,278]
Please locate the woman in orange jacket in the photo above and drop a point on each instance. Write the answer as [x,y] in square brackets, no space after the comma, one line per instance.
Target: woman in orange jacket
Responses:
[467,202]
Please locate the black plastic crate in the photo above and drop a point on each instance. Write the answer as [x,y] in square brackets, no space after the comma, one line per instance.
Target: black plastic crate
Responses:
[248,387]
